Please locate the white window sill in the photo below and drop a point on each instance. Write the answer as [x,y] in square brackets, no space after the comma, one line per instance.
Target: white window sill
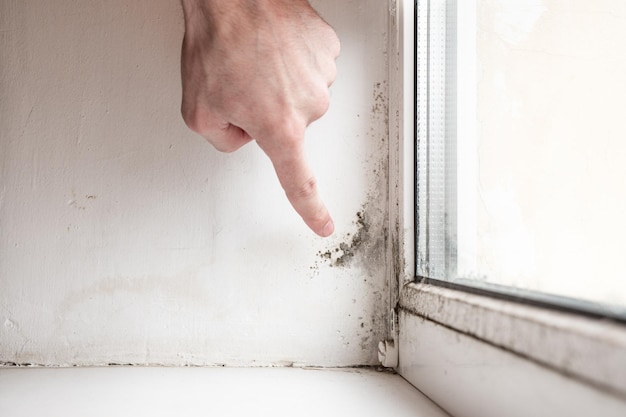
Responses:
[188,392]
[478,356]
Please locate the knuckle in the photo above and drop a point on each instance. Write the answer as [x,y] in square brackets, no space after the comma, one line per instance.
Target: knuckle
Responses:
[332,42]
[321,103]
[193,119]
[288,132]
[200,122]
[335,46]
[294,132]
[305,190]
[226,147]
[332,74]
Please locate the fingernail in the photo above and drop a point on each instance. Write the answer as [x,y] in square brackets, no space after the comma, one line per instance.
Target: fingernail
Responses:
[328,229]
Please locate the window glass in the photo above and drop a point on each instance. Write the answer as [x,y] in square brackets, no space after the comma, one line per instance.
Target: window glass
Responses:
[522,146]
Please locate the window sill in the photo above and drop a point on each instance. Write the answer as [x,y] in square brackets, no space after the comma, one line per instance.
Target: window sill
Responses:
[570,362]
[276,392]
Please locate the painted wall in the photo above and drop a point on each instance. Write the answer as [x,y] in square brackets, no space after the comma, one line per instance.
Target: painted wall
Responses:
[125,238]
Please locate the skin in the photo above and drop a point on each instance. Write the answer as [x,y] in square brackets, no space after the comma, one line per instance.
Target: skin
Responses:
[259,70]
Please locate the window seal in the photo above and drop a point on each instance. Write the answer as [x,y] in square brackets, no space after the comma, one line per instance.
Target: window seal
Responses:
[583,308]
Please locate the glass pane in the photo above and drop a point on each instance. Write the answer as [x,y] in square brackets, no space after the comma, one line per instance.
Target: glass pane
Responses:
[522,145]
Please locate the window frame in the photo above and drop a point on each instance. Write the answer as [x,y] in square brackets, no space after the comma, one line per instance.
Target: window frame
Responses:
[463,349]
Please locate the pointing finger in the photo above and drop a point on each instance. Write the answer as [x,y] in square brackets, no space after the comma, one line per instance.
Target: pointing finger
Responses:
[297,179]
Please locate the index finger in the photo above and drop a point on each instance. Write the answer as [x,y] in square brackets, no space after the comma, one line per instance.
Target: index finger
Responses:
[297,179]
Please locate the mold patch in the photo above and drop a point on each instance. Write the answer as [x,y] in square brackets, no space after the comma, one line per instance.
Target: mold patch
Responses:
[360,251]
[365,246]
[360,242]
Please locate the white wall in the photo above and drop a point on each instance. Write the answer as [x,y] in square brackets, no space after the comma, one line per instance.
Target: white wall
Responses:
[125,238]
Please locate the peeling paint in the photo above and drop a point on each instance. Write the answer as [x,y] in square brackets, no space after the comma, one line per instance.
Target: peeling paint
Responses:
[10,324]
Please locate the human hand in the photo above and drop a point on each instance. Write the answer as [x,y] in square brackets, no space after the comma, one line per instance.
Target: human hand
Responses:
[260,70]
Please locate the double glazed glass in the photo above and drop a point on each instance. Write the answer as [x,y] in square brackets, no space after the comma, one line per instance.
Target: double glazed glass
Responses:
[521,149]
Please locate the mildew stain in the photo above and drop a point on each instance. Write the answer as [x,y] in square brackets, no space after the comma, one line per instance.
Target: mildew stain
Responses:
[364,245]
[366,242]
[345,252]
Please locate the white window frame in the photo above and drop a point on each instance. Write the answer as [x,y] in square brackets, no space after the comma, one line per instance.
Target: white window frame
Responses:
[472,354]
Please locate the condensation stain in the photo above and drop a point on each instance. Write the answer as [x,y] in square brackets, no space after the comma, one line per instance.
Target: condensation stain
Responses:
[186,287]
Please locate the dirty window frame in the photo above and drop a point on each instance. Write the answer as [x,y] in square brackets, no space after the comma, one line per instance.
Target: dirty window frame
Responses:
[545,343]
